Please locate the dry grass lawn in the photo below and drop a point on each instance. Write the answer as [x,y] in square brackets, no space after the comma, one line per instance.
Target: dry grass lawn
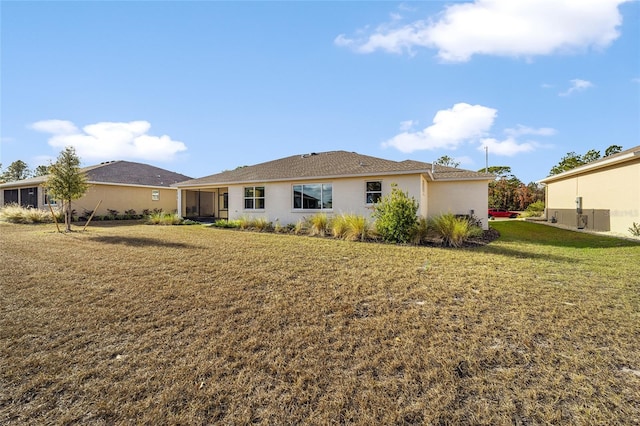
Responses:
[193,325]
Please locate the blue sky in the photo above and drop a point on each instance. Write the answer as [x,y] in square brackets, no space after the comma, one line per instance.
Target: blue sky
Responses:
[200,87]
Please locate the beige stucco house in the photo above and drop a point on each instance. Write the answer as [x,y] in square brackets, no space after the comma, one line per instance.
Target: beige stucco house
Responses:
[120,185]
[289,189]
[602,196]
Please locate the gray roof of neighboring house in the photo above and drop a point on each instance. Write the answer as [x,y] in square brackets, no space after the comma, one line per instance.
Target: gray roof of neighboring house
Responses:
[330,165]
[614,159]
[118,172]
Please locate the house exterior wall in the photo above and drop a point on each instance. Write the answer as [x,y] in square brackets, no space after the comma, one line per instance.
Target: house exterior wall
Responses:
[434,198]
[348,197]
[459,197]
[115,197]
[122,198]
[612,192]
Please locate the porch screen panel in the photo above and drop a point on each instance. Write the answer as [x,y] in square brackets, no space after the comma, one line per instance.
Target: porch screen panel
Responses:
[10,196]
[29,197]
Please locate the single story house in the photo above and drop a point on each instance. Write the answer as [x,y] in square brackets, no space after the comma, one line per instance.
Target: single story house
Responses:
[603,195]
[121,185]
[335,182]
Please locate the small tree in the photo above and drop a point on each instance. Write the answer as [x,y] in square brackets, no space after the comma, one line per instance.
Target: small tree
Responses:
[66,181]
[395,216]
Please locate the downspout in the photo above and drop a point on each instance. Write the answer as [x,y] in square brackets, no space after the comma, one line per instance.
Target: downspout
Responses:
[179,202]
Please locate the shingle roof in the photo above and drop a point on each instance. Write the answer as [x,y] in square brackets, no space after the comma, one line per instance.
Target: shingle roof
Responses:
[328,164]
[119,172]
[127,172]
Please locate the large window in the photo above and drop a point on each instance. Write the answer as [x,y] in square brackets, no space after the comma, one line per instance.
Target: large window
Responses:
[373,192]
[254,197]
[314,196]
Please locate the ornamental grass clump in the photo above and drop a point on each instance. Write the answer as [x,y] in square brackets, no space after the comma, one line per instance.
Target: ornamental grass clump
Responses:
[453,230]
[319,224]
[164,218]
[14,213]
[358,228]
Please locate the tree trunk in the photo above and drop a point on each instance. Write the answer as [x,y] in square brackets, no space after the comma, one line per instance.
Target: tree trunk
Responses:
[67,216]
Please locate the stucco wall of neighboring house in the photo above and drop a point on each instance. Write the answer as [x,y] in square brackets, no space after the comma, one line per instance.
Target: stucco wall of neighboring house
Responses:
[348,197]
[459,197]
[122,198]
[615,189]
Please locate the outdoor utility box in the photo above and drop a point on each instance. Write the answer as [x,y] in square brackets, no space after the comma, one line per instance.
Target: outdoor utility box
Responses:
[579,205]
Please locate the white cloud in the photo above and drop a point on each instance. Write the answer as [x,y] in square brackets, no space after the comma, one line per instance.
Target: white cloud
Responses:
[635,80]
[577,85]
[111,140]
[523,28]
[508,147]
[407,125]
[450,128]
[61,127]
[520,130]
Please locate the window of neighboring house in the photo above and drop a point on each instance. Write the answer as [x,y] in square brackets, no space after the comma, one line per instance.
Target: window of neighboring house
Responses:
[254,197]
[48,199]
[373,192]
[155,195]
[313,196]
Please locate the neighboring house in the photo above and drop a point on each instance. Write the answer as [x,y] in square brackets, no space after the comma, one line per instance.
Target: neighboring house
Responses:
[335,182]
[602,196]
[121,185]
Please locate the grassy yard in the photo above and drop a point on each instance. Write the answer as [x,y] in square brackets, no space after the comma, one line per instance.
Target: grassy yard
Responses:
[193,325]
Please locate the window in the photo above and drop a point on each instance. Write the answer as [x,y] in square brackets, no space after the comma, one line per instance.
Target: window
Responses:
[48,199]
[254,197]
[155,195]
[314,196]
[373,192]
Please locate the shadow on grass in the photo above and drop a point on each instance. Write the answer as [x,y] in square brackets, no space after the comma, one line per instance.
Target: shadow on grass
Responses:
[140,242]
[525,254]
[546,235]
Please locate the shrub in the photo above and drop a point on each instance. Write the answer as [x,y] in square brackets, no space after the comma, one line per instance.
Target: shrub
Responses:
[635,229]
[454,231]
[395,216]
[421,231]
[113,214]
[535,209]
[319,224]
[224,223]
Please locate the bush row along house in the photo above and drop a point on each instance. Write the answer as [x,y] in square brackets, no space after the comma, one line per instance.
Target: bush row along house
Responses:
[602,196]
[120,185]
